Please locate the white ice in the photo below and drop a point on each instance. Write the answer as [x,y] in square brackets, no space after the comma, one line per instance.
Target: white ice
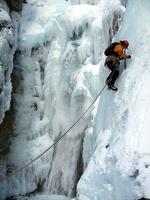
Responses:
[120,171]
[60,70]
[8,44]
[57,68]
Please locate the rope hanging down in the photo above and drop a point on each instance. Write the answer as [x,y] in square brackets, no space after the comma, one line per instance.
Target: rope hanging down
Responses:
[29,163]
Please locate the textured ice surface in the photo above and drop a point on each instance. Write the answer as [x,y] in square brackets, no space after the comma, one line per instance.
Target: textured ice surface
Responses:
[59,69]
[9,23]
[119,167]
[57,79]
[8,43]
[44,197]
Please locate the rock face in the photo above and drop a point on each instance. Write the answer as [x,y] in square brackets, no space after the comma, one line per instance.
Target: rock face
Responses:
[15,5]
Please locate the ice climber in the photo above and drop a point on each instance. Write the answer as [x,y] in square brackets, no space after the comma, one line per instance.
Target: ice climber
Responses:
[114,53]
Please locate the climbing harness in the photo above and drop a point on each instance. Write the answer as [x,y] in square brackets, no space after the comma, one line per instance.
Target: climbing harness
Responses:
[57,140]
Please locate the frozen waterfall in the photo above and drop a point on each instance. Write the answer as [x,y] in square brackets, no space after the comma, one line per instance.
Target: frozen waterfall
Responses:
[120,165]
[56,68]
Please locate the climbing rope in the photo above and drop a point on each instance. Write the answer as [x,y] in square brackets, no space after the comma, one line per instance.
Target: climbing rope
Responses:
[40,155]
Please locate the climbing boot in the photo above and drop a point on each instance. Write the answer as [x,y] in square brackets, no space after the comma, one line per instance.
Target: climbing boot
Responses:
[108,81]
[112,87]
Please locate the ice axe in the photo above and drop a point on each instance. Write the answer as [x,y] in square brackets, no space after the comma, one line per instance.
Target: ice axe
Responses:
[125,61]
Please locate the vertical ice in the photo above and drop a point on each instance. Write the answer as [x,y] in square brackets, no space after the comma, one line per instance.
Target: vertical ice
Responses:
[9,27]
[57,73]
[119,166]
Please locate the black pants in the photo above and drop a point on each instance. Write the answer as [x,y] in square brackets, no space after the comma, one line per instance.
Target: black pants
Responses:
[112,76]
[113,64]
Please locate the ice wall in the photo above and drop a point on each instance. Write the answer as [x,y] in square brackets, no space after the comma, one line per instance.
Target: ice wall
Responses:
[57,73]
[9,24]
[120,165]
[9,28]
[92,2]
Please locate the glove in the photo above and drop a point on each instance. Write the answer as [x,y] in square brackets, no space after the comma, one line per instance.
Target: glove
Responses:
[129,56]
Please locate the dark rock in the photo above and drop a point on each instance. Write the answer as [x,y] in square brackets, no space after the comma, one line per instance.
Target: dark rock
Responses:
[24,1]
[5,24]
[15,5]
